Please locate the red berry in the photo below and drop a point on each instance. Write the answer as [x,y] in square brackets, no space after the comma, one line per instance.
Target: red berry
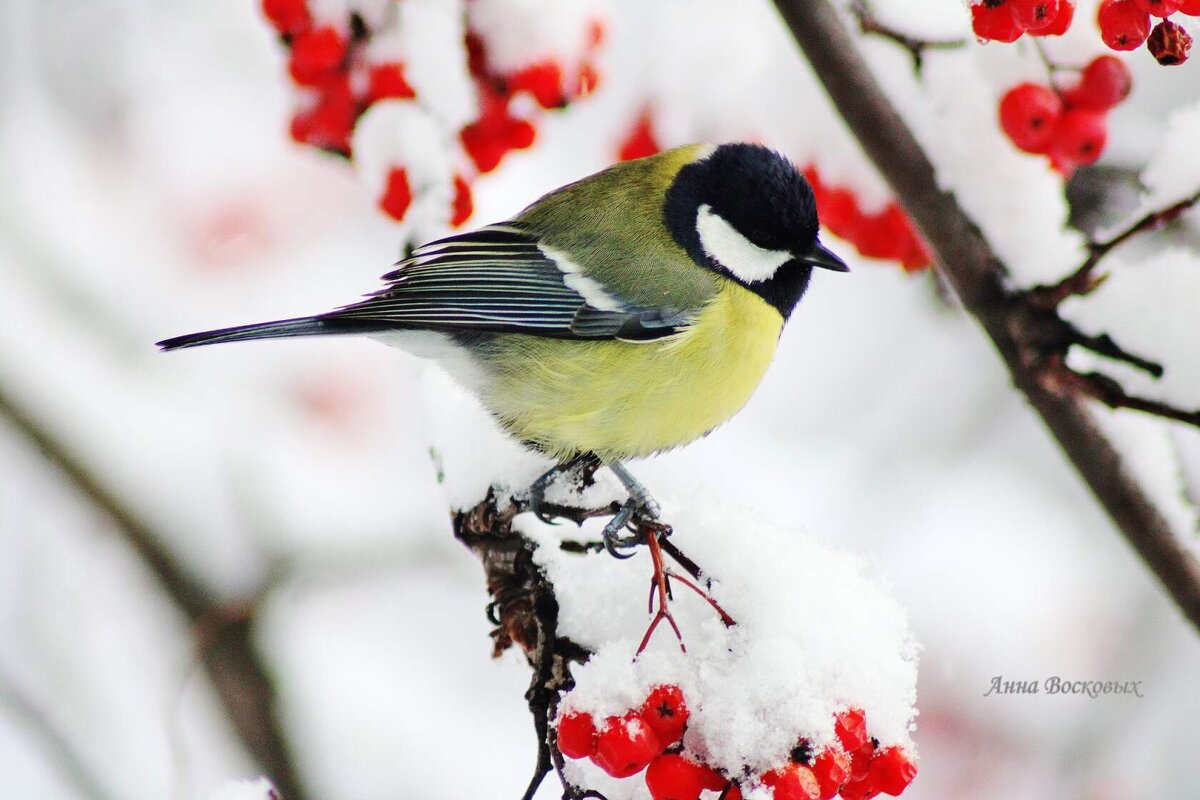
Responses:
[397,195]
[287,16]
[992,20]
[832,769]
[1123,26]
[1104,83]
[1034,15]
[1159,8]
[463,207]
[576,730]
[916,257]
[734,792]
[666,713]
[1080,137]
[892,771]
[851,729]
[1169,43]
[1028,115]
[859,789]
[793,782]
[885,235]
[641,141]
[713,781]
[670,776]
[387,80]
[543,81]
[1062,20]
[839,212]
[587,80]
[329,122]
[1190,7]
[625,746]
[315,54]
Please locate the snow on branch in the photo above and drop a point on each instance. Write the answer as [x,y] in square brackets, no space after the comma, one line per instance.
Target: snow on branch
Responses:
[1016,326]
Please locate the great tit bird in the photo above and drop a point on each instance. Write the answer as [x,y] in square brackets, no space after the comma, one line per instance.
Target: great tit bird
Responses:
[625,314]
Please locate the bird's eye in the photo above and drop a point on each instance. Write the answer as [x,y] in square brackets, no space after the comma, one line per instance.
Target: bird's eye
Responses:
[760,238]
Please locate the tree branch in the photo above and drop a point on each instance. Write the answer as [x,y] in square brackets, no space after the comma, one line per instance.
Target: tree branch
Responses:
[223,633]
[972,267]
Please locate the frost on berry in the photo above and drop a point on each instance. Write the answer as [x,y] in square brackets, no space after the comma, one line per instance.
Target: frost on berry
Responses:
[850,726]
[992,20]
[577,735]
[1123,26]
[625,746]
[1029,114]
[832,769]
[666,712]
[891,771]
[793,782]
[1169,43]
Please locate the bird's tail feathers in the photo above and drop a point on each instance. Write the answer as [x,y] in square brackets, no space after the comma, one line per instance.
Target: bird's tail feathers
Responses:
[300,326]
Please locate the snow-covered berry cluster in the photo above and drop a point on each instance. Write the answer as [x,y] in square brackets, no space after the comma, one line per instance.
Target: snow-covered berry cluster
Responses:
[498,129]
[354,64]
[1124,24]
[1069,125]
[650,738]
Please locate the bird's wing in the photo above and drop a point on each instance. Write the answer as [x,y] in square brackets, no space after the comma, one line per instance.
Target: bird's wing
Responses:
[504,279]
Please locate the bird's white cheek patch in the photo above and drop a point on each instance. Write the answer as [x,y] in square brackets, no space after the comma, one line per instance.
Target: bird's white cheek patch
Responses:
[735,252]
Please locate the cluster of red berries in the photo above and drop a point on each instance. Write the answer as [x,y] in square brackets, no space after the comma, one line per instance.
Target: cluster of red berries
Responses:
[1066,125]
[1007,20]
[887,234]
[1124,24]
[649,738]
[340,85]
[497,131]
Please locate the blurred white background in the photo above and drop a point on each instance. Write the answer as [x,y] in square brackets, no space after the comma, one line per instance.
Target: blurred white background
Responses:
[148,188]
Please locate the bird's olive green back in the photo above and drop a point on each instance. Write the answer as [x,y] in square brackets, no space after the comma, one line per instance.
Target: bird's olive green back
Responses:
[611,224]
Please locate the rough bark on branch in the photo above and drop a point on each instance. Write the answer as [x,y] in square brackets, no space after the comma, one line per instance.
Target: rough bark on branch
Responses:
[971,266]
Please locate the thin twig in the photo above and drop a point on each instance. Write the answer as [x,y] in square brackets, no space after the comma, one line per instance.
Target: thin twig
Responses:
[868,23]
[1082,281]
[237,672]
[972,267]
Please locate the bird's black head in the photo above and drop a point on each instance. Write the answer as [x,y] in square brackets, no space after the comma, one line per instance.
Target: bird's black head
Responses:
[747,213]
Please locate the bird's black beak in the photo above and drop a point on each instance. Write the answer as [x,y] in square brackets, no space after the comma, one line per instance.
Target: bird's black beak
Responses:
[819,256]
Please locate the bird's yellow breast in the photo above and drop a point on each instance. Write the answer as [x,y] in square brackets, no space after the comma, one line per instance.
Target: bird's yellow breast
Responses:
[624,399]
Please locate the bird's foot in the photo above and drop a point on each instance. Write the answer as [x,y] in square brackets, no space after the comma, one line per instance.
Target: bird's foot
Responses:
[579,469]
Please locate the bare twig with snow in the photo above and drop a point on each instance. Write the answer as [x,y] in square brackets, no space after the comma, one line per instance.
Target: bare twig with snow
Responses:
[869,24]
[970,264]
[223,633]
